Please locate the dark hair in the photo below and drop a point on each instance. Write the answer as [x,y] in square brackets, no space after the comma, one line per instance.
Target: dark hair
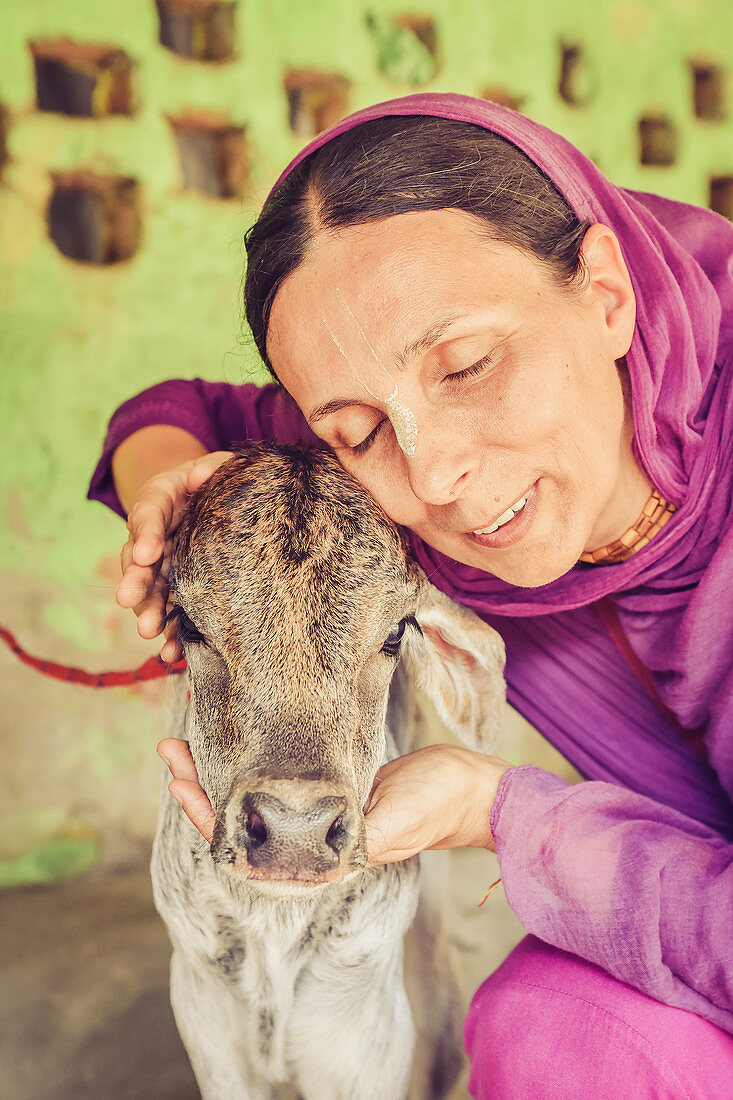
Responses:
[398,165]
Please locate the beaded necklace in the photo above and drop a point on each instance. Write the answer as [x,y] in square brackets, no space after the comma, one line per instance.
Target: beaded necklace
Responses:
[657,511]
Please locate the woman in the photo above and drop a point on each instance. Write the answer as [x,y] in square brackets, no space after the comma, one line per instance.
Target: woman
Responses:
[532,370]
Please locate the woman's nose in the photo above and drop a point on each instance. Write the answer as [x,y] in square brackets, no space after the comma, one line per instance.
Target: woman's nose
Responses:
[439,470]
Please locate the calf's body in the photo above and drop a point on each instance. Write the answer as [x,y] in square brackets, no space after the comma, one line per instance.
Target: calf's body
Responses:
[295,596]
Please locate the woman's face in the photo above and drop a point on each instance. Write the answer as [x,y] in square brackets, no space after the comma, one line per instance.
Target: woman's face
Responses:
[507,389]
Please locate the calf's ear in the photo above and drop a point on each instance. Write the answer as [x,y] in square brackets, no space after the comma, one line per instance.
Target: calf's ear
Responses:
[459,661]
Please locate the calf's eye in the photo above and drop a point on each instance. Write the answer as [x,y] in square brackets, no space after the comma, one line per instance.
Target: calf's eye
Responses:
[392,644]
[188,633]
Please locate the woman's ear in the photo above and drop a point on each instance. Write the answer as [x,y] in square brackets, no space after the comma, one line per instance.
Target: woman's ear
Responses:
[609,283]
[459,661]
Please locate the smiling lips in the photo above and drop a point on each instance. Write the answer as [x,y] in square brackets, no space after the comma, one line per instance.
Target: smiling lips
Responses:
[511,525]
[504,517]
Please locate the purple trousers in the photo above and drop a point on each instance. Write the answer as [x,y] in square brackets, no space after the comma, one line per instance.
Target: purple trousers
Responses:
[550,1026]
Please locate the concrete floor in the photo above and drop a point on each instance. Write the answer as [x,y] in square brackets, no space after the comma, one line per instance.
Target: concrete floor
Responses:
[84,1009]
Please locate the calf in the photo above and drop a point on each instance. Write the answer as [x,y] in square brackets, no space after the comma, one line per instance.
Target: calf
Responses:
[295,596]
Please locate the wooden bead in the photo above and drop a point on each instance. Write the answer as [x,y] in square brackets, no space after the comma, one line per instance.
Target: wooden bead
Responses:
[655,514]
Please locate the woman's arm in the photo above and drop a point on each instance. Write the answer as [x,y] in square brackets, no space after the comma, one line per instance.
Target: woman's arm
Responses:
[624,882]
[216,414]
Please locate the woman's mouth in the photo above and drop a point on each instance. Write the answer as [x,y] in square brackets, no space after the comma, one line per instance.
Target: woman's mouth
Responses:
[511,525]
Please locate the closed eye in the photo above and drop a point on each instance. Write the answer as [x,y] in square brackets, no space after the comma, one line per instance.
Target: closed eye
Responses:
[365,444]
[188,633]
[469,372]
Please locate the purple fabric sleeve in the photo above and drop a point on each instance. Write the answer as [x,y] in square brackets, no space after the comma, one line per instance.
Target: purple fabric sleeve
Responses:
[624,882]
[609,727]
[219,414]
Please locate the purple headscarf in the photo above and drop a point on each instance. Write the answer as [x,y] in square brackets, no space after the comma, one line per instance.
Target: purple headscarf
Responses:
[674,596]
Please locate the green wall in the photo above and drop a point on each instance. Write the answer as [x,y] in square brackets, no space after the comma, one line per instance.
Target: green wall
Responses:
[75,340]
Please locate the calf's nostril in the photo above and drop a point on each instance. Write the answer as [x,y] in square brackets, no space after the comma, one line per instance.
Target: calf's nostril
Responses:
[255,830]
[337,836]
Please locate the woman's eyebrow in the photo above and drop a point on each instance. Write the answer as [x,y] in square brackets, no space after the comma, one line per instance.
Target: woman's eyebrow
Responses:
[333,406]
[426,341]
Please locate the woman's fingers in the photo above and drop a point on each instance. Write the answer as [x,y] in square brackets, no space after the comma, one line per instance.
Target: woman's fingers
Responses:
[135,584]
[185,786]
[203,467]
[171,651]
[151,611]
[126,556]
[195,805]
[165,565]
[390,828]
[156,514]
[177,755]
[147,524]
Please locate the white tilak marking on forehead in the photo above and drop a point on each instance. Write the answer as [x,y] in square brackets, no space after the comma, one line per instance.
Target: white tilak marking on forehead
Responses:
[401,417]
[403,423]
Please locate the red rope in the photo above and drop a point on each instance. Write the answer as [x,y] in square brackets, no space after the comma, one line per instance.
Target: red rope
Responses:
[152,669]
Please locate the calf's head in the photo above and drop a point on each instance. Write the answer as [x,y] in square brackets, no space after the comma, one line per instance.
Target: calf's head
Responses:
[295,595]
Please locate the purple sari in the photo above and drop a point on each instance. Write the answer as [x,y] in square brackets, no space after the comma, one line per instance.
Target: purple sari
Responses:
[633,870]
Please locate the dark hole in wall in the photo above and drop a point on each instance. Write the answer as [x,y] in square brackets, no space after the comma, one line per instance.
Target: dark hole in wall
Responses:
[82,78]
[658,140]
[406,44]
[574,84]
[316,100]
[721,196]
[496,93]
[212,152]
[708,90]
[4,127]
[95,219]
[203,30]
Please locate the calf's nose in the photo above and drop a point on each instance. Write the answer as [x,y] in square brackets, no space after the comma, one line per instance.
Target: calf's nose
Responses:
[292,831]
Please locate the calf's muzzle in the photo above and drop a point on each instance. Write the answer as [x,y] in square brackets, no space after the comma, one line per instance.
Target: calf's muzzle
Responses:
[303,830]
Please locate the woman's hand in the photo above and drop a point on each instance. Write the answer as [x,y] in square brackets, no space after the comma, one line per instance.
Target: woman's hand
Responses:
[438,797]
[185,786]
[145,559]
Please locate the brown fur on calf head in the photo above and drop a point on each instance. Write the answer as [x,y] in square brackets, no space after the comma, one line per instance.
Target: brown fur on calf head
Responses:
[290,578]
